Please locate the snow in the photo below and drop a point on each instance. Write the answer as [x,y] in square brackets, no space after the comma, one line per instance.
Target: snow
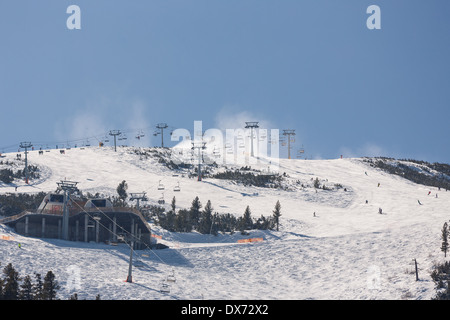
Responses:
[346,251]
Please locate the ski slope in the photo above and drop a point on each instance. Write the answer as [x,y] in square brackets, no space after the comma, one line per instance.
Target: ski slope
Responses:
[331,243]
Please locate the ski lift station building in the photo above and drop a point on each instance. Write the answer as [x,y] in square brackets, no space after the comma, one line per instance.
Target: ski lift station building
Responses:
[92,220]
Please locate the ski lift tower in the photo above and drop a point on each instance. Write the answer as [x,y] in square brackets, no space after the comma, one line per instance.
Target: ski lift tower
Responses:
[199,145]
[115,133]
[138,197]
[68,187]
[161,126]
[289,133]
[26,145]
[251,125]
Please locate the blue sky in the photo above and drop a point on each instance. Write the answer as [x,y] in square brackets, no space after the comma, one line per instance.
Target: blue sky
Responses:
[312,66]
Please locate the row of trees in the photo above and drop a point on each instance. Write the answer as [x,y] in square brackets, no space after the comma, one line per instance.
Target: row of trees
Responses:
[206,221]
[441,272]
[425,176]
[13,287]
[14,203]
[248,178]
[7,175]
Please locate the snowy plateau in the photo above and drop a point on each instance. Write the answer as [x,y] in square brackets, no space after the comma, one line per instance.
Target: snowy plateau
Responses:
[332,244]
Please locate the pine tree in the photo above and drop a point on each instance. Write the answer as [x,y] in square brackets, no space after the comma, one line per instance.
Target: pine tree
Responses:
[171,216]
[38,287]
[182,221]
[205,224]
[2,282]
[444,236]
[122,191]
[50,286]
[317,183]
[11,283]
[1,289]
[26,289]
[74,296]
[247,219]
[277,213]
[194,212]
[215,224]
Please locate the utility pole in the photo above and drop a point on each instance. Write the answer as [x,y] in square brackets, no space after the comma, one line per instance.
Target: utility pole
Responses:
[251,125]
[289,133]
[199,145]
[138,197]
[68,187]
[26,145]
[114,133]
[161,126]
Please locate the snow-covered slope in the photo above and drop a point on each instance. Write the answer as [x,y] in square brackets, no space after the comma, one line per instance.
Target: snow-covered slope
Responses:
[331,243]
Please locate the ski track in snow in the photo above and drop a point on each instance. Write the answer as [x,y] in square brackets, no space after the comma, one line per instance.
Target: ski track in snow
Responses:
[347,251]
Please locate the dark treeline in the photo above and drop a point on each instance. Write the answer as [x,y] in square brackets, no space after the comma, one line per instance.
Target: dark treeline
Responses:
[247,178]
[15,203]
[206,221]
[7,175]
[439,180]
[13,287]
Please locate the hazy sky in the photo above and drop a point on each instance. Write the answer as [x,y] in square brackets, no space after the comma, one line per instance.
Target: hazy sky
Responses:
[312,66]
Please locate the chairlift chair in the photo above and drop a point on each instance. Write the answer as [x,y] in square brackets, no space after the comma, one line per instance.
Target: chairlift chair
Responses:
[171,277]
[161,200]
[177,187]
[160,186]
[165,288]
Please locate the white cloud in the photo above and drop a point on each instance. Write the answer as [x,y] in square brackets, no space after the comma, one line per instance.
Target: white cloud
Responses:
[99,116]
